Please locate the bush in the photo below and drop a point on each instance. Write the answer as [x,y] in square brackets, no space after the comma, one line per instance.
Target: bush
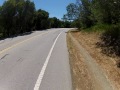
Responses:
[111,39]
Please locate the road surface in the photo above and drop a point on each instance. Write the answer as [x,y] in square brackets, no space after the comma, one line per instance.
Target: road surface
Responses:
[37,61]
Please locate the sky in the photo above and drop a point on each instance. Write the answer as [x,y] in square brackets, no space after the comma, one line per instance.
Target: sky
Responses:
[56,8]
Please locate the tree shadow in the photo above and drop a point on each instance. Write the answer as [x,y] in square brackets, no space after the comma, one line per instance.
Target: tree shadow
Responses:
[13,36]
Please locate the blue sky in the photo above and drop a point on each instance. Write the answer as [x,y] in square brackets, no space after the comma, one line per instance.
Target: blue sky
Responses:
[56,8]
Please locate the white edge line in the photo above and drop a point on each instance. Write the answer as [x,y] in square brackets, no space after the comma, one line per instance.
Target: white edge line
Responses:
[40,77]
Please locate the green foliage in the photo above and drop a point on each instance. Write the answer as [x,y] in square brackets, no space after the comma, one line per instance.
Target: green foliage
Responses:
[67,24]
[54,22]
[72,11]
[81,13]
[7,15]
[41,19]
[99,15]
[86,17]
[76,23]
[17,16]
[106,11]
[98,28]
[92,12]
[20,16]
[111,39]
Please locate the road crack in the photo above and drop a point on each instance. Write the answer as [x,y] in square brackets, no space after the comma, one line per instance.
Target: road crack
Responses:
[4,56]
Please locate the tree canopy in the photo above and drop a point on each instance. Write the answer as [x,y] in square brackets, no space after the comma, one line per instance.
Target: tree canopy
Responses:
[19,16]
[91,12]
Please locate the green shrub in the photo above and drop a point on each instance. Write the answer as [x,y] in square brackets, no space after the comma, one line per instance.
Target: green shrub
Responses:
[98,28]
[111,38]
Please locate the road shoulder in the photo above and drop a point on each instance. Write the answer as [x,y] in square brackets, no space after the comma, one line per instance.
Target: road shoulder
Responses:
[84,69]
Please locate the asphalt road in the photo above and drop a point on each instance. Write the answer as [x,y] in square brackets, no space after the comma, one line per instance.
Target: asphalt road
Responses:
[36,61]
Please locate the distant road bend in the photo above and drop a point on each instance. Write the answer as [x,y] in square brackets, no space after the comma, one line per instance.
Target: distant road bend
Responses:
[38,61]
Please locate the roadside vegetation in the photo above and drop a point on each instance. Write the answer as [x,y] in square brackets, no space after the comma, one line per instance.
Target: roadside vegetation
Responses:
[20,16]
[98,23]
[101,16]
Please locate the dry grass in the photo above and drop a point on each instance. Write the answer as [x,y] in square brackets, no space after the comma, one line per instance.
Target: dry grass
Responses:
[107,63]
[80,74]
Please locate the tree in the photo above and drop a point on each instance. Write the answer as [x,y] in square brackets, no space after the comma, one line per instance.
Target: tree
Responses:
[41,19]
[86,16]
[81,13]
[7,15]
[24,15]
[55,23]
[17,16]
[106,11]
[72,11]
[20,16]
[65,17]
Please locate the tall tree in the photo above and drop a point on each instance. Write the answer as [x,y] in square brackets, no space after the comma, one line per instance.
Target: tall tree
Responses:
[8,13]
[106,11]
[72,11]
[86,16]
[42,19]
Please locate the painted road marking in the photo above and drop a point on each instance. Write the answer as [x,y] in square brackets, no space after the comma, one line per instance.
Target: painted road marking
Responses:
[6,49]
[40,77]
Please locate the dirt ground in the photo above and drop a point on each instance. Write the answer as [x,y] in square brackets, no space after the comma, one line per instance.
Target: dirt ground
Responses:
[81,77]
[79,69]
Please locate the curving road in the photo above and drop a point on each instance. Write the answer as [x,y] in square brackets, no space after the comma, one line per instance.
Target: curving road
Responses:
[37,61]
